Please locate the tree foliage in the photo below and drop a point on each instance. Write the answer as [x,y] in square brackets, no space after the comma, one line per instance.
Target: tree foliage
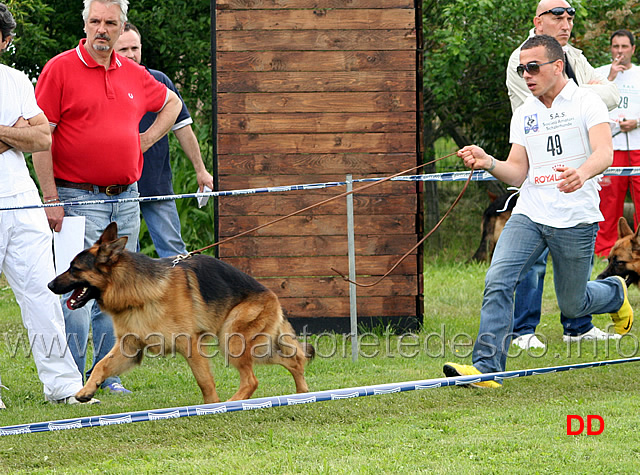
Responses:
[176,38]
[467,46]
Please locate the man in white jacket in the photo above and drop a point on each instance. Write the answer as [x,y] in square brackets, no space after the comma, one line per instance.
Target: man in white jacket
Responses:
[553,18]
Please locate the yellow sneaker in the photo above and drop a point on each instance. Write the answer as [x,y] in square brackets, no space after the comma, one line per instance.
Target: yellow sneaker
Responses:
[452,370]
[623,318]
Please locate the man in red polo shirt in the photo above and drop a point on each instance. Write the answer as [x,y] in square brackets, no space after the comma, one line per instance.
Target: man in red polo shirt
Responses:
[94,100]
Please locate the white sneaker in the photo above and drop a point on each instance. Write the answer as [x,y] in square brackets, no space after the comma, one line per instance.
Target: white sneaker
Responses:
[594,334]
[2,406]
[73,400]
[530,340]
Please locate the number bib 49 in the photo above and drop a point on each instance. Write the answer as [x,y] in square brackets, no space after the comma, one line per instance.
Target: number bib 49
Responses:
[564,147]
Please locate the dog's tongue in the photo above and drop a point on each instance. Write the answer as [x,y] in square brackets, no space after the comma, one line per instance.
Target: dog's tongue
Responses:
[75,296]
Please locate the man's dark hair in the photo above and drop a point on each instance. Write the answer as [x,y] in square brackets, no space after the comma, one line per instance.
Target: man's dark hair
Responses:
[131,27]
[626,33]
[7,23]
[551,45]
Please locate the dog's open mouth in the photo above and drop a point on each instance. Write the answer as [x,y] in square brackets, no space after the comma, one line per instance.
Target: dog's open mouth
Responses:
[80,297]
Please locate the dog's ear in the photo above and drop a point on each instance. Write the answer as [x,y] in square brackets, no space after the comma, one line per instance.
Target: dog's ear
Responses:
[492,196]
[110,252]
[109,234]
[623,228]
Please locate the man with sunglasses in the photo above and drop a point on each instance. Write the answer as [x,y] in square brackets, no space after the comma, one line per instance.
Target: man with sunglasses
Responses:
[553,18]
[560,144]
[626,140]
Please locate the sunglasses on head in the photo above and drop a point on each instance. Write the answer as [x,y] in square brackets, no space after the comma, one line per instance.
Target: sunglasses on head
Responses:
[532,68]
[557,11]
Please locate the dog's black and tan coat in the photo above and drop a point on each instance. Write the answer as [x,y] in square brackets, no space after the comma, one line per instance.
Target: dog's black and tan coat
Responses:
[624,257]
[168,309]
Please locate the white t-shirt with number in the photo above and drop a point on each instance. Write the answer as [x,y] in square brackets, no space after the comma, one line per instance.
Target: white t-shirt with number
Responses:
[558,136]
[628,83]
[17,99]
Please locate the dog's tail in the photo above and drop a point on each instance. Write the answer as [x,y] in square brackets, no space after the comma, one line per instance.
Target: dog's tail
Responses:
[309,350]
[289,344]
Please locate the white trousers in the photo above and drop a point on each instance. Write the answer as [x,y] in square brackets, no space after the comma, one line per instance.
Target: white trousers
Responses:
[26,258]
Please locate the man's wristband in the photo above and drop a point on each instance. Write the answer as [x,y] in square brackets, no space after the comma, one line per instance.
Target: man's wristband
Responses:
[493,165]
[51,199]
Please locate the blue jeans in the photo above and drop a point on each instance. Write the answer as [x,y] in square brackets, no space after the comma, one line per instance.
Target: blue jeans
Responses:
[97,217]
[528,304]
[163,222]
[520,245]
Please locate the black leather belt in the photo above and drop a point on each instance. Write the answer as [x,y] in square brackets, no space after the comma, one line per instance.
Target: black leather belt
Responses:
[109,190]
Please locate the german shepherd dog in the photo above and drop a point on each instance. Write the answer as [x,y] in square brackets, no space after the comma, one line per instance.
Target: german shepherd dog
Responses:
[624,257]
[166,309]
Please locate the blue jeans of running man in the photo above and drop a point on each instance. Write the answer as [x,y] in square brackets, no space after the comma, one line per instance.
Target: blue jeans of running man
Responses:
[521,243]
[163,222]
[97,217]
[528,304]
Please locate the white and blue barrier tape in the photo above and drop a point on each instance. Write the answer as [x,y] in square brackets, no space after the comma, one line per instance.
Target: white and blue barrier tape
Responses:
[477,175]
[288,400]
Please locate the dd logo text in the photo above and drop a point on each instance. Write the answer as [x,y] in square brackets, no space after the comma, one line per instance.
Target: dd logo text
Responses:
[575,425]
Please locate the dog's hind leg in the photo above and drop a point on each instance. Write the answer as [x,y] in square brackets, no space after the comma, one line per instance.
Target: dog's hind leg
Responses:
[239,355]
[123,356]
[290,354]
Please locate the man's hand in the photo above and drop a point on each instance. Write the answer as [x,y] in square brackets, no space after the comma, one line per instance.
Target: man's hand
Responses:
[627,125]
[474,156]
[204,179]
[616,67]
[54,217]
[572,179]
[21,122]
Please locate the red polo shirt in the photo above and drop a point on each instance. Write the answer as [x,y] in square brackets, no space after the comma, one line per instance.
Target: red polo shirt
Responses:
[96,113]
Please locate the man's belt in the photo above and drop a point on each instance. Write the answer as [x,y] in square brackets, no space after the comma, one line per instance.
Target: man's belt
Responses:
[109,190]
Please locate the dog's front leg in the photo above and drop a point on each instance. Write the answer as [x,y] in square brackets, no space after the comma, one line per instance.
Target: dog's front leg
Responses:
[122,357]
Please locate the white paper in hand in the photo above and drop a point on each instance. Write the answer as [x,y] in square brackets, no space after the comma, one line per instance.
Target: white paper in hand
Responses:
[68,242]
[202,200]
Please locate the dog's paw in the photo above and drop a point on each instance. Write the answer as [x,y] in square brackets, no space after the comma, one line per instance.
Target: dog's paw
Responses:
[84,396]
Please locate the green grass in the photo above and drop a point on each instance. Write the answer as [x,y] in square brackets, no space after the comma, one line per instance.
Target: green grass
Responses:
[520,428]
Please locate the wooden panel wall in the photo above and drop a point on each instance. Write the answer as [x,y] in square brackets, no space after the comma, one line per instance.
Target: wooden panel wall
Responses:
[308,94]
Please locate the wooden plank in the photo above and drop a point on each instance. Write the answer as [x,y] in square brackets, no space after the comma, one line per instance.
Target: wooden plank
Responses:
[373,60]
[317,287]
[302,81]
[278,4]
[324,225]
[326,102]
[321,266]
[328,163]
[276,204]
[304,123]
[242,182]
[317,143]
[316,40]
[298,246]
[339,307]
[317,19]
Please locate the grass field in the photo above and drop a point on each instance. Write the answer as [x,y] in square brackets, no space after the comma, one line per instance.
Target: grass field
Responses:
[520,428]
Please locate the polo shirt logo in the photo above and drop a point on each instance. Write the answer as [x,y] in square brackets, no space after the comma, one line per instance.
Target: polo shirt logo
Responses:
[130,95]
[530,123]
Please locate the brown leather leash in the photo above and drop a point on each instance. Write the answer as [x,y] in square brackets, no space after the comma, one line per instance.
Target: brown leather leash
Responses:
[344,277]
[342,195]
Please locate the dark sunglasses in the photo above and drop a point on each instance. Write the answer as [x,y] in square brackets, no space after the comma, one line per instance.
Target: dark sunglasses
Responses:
[557,11]
[532,68]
